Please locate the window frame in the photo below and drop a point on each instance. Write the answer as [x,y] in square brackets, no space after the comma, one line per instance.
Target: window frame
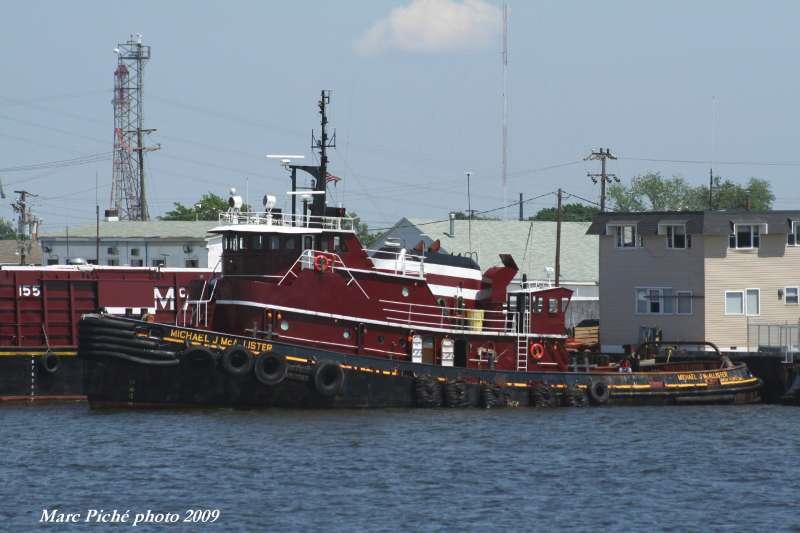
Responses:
[678,304]
[796,296]
[669,231]
[744,303]
[794,230]
[661,300]
[747,300]
[618,234]
[755,237]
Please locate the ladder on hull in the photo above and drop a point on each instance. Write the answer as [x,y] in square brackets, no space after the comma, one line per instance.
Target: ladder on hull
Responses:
[522,343]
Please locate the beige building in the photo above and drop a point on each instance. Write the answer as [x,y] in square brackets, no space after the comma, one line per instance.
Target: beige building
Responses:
[714,275]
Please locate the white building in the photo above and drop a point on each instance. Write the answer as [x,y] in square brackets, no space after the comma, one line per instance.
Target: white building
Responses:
[128,243]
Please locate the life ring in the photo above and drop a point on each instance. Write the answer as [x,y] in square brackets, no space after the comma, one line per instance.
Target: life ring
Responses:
[270,369]
[599,392]
[49,363]
[321,263]
[537,351]
[237,361]
[328,378]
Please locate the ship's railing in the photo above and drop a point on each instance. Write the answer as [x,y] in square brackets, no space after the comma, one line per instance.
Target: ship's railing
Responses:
[400,262]
[268,218]
[307,259]
[422,315]
[195,312]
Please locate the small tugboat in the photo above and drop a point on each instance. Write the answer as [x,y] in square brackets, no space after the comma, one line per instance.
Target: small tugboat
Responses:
[302,316]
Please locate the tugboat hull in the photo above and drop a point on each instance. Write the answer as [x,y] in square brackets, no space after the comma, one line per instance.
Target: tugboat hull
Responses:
[157,365]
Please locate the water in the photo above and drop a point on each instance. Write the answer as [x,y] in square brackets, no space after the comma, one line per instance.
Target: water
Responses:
[662,468]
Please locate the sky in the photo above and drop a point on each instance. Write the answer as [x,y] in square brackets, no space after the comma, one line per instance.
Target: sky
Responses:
[416,98]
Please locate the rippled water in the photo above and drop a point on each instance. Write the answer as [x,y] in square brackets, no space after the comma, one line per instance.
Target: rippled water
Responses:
[663,468]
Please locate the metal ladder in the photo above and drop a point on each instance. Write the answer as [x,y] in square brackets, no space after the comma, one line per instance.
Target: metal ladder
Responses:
[522,344]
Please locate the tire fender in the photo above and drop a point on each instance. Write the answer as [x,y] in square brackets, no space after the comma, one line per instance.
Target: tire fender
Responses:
[271,369]
[237,361]
[328,378]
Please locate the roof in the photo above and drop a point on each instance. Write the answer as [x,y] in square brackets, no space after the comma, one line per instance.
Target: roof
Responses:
[8,253]
[704,222]
[490,238]
[153,229]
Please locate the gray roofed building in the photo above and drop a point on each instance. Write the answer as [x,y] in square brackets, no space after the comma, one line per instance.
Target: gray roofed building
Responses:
[531,243]
[152,243]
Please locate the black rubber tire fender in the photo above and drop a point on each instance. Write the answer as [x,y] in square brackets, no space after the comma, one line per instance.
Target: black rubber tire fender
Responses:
[237,361]
[198,359]
[99,354]
[136,352]
[108,322]
[49,363]
[99,330]
[271,369]
[328,378]
[598,392]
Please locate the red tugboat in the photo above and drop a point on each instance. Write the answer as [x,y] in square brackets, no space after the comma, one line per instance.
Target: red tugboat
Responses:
[302,316]
[40,308]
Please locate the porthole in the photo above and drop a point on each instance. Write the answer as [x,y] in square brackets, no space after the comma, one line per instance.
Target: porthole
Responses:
[402,342]
[346,334]
[380,339]
[405,292]
[285,325]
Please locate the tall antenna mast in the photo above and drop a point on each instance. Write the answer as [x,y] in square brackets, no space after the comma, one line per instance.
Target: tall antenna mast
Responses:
[713,147]
[504,164]
[128,183]
[322,144]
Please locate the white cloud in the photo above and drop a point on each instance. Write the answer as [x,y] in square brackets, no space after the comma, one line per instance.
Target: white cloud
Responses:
[429,26]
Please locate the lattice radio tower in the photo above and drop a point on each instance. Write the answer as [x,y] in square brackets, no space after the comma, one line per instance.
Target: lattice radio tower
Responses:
[128,186]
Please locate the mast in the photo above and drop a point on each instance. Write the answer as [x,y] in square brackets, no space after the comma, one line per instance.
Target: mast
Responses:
[322,144]
[504,163]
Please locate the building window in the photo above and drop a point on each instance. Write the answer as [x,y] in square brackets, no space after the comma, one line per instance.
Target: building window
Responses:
[684,302]
[794,233]
[192,263]
[134,252]
[626,236]
[677,237]
[744,236]
[753,301]
[791,295]
[158,262]
[657,301]
[734,302]
[52,261]
[113,262]
[112,250]
[137,262]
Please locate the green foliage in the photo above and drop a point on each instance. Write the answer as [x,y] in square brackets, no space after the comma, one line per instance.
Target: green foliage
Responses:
[7,230]
[207,208]
[362,230]
[574,212]
[460,215]
[652,192]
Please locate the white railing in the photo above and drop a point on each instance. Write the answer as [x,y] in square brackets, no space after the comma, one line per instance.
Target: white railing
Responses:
[462,319]
[399,262]
[268,218]
[197,310]
[306,262]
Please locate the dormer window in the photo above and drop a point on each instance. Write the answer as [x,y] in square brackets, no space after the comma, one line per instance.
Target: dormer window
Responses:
[794,233]
[744,236]
[625,235]
[677,237]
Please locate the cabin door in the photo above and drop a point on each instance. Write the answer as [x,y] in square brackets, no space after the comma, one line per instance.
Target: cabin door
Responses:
[428,350]
[460,353]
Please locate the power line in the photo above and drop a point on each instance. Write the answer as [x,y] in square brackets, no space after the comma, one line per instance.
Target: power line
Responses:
[75,161]
[701,162]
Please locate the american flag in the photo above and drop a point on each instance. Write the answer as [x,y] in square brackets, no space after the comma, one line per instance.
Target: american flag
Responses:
[330,178]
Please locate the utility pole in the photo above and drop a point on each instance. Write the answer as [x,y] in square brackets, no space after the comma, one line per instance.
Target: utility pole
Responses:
[27,225]
[521,217]
[558,240]
[602,176]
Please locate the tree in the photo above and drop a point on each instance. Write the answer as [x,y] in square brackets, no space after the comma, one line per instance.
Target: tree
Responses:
[574,212]
[362,230]
[7,230]
[460,215]
[652,192]
[207,208]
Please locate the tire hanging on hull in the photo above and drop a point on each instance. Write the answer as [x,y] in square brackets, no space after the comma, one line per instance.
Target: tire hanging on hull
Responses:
[271,369]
